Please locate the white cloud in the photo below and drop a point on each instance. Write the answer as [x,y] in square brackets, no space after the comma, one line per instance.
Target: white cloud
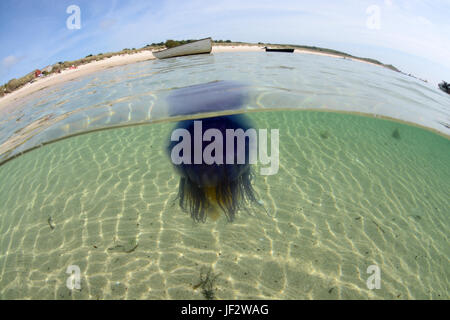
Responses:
[10,61]
[107,23]
[7,63]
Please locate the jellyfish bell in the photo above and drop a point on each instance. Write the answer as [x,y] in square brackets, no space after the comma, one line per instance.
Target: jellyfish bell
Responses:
[207,97]
[206,190]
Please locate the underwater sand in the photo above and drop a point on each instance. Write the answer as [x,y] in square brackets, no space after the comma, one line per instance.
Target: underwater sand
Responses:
[351,192]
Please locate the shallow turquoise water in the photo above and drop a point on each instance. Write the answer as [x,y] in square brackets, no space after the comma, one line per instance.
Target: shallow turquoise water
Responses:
[137,94]
[352,191]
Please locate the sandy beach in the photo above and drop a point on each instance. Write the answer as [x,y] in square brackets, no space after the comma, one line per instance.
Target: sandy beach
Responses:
[71,74]
[6,102]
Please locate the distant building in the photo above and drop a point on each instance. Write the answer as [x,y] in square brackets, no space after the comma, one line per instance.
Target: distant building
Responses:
[37,73]
[48,69]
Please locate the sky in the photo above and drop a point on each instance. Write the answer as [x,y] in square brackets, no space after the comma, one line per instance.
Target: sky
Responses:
[413,35]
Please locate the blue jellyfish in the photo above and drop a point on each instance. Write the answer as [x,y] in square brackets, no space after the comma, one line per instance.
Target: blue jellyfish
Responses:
[206,190]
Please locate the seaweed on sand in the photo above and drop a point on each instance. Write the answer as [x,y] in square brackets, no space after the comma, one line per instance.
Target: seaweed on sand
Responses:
[206,283]
[324,134]
[126,248]
[396,134]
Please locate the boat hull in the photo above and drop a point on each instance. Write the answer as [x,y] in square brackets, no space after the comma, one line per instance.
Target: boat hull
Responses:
[279,50]
[444,87]
[196,47]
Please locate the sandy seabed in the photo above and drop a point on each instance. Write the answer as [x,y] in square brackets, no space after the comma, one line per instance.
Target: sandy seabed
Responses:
[344,199]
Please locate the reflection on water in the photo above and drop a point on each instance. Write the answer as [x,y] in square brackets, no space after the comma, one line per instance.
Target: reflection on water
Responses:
[137,93]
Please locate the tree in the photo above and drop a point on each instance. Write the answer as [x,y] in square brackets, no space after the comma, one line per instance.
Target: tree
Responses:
[171,43]
[13,84]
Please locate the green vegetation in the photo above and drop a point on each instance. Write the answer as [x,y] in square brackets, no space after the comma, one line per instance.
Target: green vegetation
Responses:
[175,43]
[15,84]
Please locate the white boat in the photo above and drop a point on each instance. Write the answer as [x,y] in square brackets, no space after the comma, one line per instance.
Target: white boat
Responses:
[196,47]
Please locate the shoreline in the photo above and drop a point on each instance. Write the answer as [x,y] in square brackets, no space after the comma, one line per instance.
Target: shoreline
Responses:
[7,101]
[71,74]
